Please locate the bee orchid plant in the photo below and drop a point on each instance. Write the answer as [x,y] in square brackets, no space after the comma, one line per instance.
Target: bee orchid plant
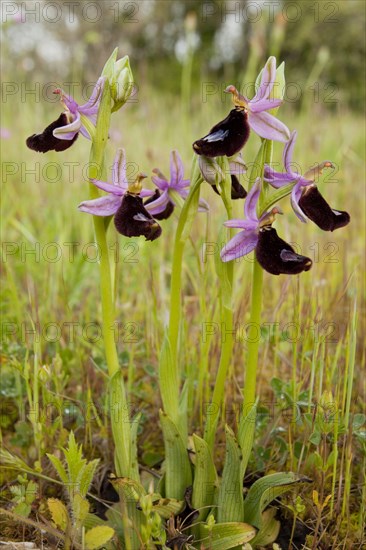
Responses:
[212,510]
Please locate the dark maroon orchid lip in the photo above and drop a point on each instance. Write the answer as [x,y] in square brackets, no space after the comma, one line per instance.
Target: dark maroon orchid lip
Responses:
[278,257]
[133,220]
[46,141]
[227,137]
[316,208]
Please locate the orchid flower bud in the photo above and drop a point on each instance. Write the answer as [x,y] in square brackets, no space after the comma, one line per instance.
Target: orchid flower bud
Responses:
[121,82]
[120,79]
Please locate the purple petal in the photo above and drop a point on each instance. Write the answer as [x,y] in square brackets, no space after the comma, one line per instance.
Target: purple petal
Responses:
[183,184]
[84,132]
[159,205]
[288,151]
[92,105]
[103,206]
[267,80]
[109,188]
[268,126]
[250,205]
[278,179]
[69,102]
[146,193]
[92,117]
[240,245]
[241,224]
[117,190]
[160,180]
[119,169]
[176,169]
[295,197]
[264,105]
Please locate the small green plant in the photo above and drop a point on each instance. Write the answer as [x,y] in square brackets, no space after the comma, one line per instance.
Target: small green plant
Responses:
[23,495]
[75,520]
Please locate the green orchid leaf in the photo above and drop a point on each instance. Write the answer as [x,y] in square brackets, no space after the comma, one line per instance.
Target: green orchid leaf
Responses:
[223,536]
[168,380]
[178,471]
[120,423]
[230,499]
[269,530]
[266,489]
[205,478]
[246,437]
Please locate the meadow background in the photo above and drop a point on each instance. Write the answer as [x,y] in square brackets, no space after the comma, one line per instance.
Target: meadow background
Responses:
[312,356]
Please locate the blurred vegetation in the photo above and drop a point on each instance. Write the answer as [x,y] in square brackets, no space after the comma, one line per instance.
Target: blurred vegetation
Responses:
[322,42]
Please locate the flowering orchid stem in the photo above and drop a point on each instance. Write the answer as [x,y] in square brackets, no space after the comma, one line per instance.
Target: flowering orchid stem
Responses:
[96,167]
[118,399]
[251,368]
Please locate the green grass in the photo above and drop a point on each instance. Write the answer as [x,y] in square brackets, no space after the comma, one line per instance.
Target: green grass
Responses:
[312,332]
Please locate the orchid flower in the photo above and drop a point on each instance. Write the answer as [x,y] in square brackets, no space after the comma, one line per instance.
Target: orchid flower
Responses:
[262,123]
[274,254]
[306,200]
[62,133]
[162,203]
[124,202]
[213,174]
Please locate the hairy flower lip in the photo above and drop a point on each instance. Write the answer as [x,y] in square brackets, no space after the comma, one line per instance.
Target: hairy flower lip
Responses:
[133,220]
[226,138]
[316,208]
[278,257]
[48,141]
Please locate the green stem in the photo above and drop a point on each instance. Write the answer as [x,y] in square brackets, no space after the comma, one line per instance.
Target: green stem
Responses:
[107,297]
[253,340]
[97,170]
[250,379]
